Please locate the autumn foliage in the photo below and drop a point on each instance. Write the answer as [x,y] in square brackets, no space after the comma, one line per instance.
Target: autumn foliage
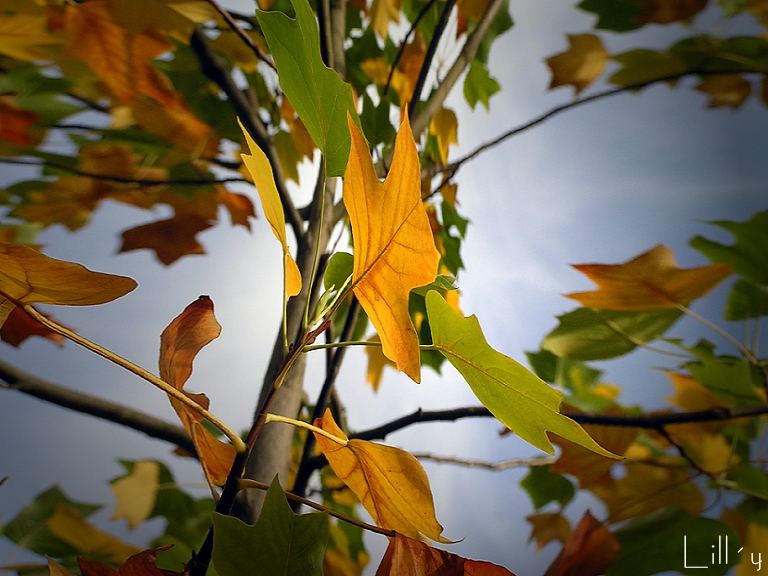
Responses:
[175,87]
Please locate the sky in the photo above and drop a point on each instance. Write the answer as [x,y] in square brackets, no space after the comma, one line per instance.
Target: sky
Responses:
[600,183]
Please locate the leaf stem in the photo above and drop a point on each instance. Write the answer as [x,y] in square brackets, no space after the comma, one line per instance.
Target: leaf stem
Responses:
[237,442]
[248,483]
[299,424]
[746,352]
[316,257]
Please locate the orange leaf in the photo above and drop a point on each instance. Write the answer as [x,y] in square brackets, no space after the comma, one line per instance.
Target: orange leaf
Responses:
[376,363]
[15,123]
[581,64]
[408,557]
[394,249]
[589,551]
[19,326]
[180,342]
[28,277]
[389,482]
[239,206]
[725,90]
[690,395]
[170,239]
[650,281]
[141,564]
[68,201]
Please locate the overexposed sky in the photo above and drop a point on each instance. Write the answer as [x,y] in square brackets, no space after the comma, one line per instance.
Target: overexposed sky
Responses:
[600,183]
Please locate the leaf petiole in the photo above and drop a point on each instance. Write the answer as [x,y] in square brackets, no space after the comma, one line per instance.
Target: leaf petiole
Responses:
[299,424]
[233,437]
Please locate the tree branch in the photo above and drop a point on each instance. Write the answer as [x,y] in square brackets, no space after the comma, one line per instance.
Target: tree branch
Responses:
[649,421]
[122,179]
[404,43]
[495,466]
[20,381]
[230,20]
[467,54]
[426,65]
[453,167]
[213,67]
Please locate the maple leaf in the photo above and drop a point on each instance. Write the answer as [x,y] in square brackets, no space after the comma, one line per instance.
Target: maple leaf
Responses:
[381,13]
[725,90]
[170,239]
[376,363]
[547,527]
[404,77]
[390,483]
[258,165]
[408,557]
[239,206]
[650,281]
[690,395]
[394,249]
[136,492]
[68,201]
[469,11]
[589,550]
[140,564]
[16,124]
[444,126]
[19,326]
[180,342]
[517,397]
[27,37]
[581,64]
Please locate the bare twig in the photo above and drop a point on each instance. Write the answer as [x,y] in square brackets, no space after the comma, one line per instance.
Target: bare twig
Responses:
[404,44]
[437,34]
[20,381]
[467,54]
[495,466]
[228,18]
[121,179]
[212,66]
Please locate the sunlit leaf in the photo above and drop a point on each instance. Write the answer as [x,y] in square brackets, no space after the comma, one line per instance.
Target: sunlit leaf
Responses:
[409,557]
[261,172]
[513,394]
[319,96]
[280,542]
[389,482]
[651,281]
[444,126]
[136,492]
[394,249]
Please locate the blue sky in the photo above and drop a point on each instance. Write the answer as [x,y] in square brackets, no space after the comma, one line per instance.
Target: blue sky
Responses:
[600,183]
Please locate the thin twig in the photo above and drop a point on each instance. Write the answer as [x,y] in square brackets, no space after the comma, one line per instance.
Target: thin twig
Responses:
[233,25]
[495,466]
[122,179]
[453,167]
[404,43]
[247,483]
[21,381]
[426,65]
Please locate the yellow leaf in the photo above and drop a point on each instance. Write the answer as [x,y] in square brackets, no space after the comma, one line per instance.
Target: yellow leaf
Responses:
[376,363]
[650,281]
[174,122]
[548,526]
[180,342]
[390,483]
[27,277]
[404,77]
[68,525]
[394,249]
[136,492]
[713,453]
[690,395]
[26,37]
[176,17]
[56,569]
[381,13]
[581,64]
[68,201]
[261,172]
[725,90]
[754,546]
[445,128]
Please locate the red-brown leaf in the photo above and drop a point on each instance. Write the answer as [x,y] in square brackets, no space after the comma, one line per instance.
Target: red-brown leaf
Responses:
[589,551]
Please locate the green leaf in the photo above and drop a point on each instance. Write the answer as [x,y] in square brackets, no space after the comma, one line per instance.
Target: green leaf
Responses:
[748,480]
[479,85]
[748,255]
[320,97]
[513,394]
[616,15]
[746,300]
[29,528]
[545,486]
[587,334]
[643,65]
[375,121]
[731,379]
[501,23]
[338,270]
[280,542]
[442,282]
[653,544]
